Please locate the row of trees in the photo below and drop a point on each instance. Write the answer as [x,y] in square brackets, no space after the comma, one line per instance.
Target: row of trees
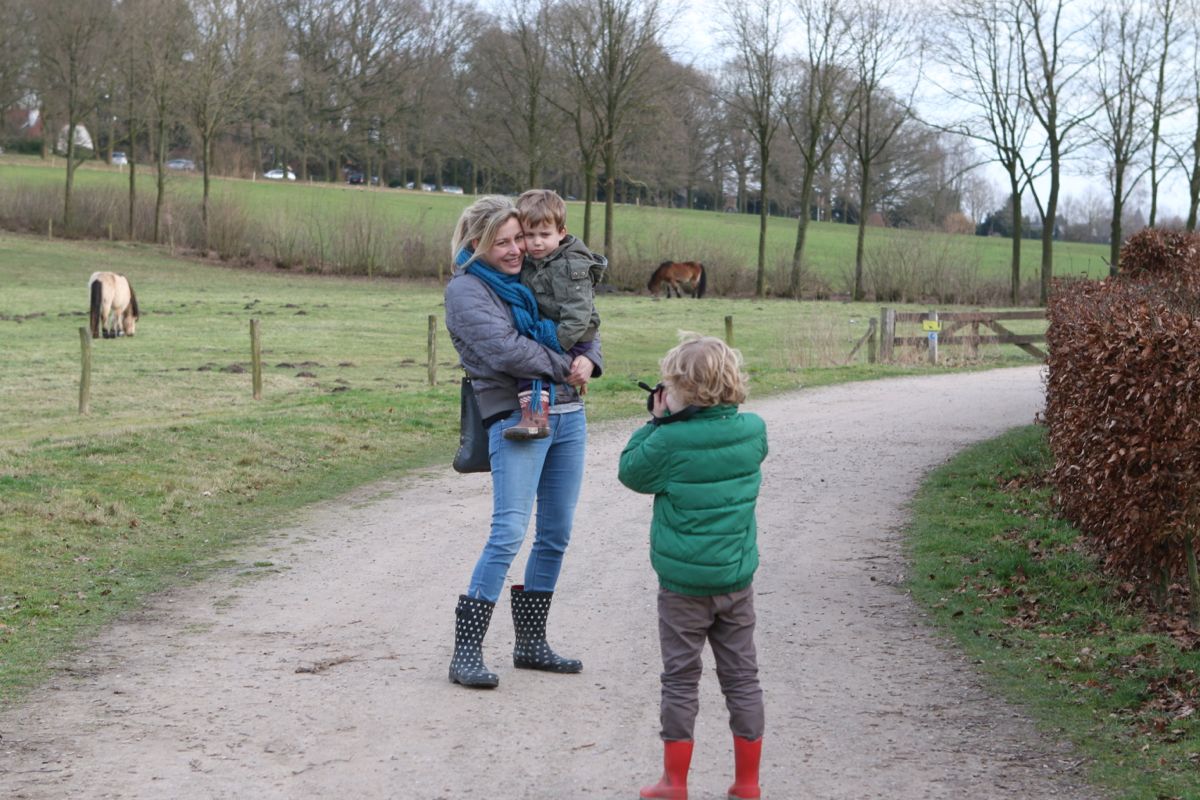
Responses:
[813,108]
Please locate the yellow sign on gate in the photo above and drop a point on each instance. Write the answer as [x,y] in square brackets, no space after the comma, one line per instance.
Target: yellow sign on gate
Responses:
[931,325]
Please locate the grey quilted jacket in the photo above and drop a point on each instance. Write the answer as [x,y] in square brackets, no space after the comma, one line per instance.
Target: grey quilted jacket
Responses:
[494,354]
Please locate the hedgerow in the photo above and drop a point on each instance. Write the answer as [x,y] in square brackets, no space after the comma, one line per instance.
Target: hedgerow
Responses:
[1123,410]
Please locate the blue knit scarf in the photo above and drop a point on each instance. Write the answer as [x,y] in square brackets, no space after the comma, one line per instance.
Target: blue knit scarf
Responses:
[524,310]
[510,289]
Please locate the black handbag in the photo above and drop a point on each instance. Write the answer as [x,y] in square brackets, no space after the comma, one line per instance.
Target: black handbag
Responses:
[472,455]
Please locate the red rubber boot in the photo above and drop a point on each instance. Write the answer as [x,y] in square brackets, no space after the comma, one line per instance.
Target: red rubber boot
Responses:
[677,760]
[746,755]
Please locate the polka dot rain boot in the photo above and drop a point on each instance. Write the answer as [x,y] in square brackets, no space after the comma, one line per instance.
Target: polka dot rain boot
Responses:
[530,610]
[471,620]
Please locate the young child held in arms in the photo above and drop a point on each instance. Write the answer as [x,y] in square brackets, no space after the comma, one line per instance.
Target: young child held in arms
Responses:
[701,458]
[560,271]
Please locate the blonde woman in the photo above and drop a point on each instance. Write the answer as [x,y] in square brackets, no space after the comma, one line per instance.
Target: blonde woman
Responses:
[495,327]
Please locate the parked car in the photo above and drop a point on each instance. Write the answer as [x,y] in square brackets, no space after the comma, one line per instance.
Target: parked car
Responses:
[119,159]
[355,177]
[452,189]
[278,175]
[182,163]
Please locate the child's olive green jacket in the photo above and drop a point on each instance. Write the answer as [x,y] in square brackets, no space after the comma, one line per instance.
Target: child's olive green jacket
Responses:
[704,473]
[562,283]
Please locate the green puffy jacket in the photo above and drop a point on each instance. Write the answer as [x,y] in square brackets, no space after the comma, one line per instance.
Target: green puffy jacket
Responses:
[704,473]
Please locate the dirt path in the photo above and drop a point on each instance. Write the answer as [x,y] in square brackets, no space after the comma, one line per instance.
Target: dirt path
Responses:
[325,675]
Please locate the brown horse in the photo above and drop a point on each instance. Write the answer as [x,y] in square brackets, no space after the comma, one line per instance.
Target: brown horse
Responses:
[114,306]
[672,273]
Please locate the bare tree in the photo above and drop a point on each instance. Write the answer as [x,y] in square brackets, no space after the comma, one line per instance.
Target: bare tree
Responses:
[222,72]
[1054,62]
[313,100]
[423,75]
[980,53]
[818,109]
[133,26]
[1122,40]
[511,62]
[1189,158]
[14,51]
[698,118]
[754,90]
[607,47]
[168,37]
[885,36]
[1166,95]
[72,39]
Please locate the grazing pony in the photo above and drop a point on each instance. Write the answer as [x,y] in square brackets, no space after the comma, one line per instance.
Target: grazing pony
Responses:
[672,273]
[113,302]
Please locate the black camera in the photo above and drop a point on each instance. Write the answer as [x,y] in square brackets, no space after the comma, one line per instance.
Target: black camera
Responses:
[653,390]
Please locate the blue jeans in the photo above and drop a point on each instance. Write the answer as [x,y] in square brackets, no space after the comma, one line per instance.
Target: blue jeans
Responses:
[550,470]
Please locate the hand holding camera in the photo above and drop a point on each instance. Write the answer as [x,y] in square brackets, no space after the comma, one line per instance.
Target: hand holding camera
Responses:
[656,402]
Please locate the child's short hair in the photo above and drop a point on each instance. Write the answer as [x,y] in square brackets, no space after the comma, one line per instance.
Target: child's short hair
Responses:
[704,371]
[542,206]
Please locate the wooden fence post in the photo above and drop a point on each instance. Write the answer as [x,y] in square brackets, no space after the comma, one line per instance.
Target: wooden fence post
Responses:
[933,340]
[872,331]
[256,358]
[887,334]
[729,330]
[432,347]
[50,229]
[85,376]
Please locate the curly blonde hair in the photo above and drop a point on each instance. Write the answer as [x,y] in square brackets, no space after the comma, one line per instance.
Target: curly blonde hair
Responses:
[704,371]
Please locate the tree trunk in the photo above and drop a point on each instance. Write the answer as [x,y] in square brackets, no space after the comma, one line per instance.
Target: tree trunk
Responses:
[206,154]
[132,186]
[160,155]
[863,189]
[589,193]
[610,189]
[806,187]
[1114,236]
[764,207]
[1048,224]
[1194,183]
[70,176]
[1016,234]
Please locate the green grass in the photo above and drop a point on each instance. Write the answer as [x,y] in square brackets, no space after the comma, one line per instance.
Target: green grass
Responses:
[176,462]
[1018,591]
[728,243]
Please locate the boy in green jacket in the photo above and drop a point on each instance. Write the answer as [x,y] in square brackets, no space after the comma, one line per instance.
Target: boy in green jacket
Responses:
[701,460]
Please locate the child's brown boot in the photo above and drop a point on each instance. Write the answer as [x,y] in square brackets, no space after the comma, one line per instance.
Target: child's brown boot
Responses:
[533,424]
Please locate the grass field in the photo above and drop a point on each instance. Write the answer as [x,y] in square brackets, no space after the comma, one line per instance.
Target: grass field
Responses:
[176,460]
[727,243]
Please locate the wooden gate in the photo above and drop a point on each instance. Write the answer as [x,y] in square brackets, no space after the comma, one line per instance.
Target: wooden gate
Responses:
[957,328]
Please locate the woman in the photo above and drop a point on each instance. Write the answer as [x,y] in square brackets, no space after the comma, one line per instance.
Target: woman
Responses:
[491,318]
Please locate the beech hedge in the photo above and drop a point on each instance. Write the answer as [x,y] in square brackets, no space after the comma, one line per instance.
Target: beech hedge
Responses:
[1123,408]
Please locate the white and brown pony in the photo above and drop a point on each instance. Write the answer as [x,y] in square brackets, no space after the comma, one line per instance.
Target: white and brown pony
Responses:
[114,306]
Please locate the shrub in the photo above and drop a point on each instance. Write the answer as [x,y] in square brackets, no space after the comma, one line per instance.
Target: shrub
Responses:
[1123,409]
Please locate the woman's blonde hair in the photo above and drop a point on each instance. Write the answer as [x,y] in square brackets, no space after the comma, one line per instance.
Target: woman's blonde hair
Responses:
[704,371]
[479,222]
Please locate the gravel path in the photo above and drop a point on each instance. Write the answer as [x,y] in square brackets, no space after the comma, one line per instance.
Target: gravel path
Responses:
[324,675]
